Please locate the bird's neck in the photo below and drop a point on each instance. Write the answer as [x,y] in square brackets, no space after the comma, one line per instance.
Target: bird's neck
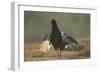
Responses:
[55,28]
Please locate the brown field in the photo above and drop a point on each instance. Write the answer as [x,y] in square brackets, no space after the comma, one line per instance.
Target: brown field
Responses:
[81,51]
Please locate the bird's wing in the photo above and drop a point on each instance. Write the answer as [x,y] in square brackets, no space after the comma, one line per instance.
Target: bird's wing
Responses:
[71,39]
[68,39]
[65,40]
[46,36]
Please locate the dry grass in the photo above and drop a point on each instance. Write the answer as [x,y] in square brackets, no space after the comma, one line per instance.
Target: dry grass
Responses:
[80,51]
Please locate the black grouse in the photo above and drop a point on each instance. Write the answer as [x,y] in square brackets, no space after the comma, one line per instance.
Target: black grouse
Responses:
[59,39]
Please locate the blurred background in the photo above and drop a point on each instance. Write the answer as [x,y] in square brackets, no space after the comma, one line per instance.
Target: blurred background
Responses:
[37,24]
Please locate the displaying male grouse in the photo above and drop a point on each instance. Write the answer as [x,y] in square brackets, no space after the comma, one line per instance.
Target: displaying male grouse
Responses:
[59,39]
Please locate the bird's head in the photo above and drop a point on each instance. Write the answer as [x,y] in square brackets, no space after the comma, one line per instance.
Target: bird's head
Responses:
[55,28]
[53,21]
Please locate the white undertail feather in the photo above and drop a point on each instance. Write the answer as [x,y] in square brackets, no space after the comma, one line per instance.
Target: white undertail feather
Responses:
[66,46]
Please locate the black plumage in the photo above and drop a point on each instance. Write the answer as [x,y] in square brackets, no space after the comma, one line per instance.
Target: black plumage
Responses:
[59,39]
[55,37]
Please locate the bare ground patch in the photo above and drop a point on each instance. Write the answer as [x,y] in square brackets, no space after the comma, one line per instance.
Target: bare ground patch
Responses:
[81,51]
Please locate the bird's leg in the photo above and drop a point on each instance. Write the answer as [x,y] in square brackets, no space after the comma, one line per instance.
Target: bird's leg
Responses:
[59,53]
